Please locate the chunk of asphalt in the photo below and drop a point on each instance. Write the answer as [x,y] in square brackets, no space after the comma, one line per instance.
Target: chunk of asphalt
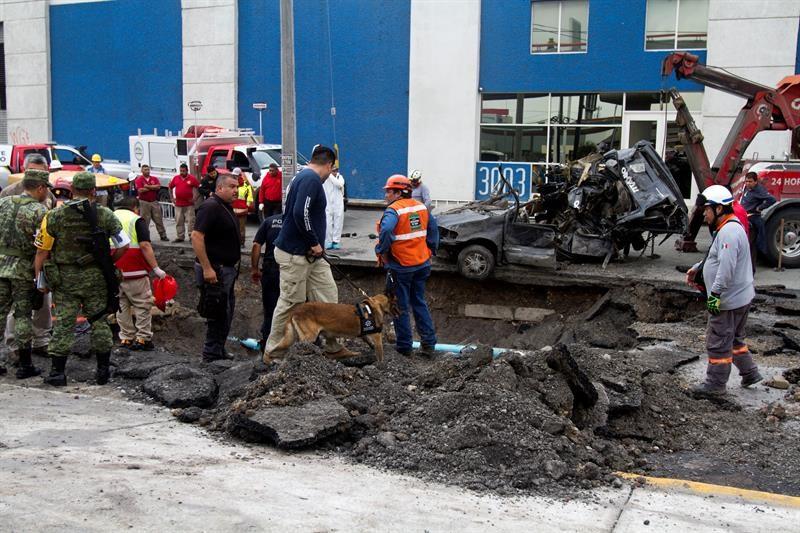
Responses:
[293,426]
[139,365]
[181,386]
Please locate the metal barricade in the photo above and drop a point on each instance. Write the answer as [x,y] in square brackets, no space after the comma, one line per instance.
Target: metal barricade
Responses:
[167,210]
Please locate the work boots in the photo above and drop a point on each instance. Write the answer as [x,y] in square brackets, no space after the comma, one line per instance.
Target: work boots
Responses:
[26,368]
[747,369]
[103,368]
[716,380]
[58,376]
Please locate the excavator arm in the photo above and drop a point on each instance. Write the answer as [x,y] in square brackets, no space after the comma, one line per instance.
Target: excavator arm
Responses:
[766,109]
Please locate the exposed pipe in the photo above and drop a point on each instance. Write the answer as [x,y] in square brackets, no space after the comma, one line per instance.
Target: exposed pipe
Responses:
[458,348]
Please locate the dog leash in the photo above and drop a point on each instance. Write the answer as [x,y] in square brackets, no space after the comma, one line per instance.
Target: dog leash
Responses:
[324,256]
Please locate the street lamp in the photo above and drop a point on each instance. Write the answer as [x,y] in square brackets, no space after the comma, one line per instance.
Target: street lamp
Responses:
[260,106]
[195,106]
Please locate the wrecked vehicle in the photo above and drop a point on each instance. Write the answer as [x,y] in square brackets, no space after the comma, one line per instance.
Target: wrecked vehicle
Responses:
[591,210]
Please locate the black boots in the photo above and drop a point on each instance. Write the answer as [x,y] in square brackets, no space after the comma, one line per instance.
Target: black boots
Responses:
[26,368]
[57,377]
[103,368]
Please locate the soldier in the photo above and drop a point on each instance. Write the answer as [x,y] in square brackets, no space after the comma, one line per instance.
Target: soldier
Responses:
[72,270]
[20,217]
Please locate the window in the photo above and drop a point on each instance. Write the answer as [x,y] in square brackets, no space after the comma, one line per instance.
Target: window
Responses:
[68,157]
[676,24]
[559,26]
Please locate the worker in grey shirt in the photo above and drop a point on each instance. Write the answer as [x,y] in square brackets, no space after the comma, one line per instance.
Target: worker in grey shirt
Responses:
[728,280]
[420,191]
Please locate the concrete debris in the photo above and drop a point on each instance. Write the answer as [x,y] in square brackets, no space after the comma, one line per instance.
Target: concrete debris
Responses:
[792,375]
[139,365]
[777,383]
[788,307]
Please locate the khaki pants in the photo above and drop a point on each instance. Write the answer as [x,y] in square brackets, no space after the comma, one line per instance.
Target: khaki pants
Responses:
[301,281]
[184,216]
[133,317]
[152,211]
[242,228]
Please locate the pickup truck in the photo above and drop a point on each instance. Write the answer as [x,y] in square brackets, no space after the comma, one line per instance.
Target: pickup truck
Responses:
[12,159]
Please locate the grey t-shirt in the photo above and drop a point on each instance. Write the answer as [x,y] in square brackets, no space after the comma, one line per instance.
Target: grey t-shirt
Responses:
[728,271]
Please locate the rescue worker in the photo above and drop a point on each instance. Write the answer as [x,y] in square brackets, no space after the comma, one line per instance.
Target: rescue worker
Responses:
[147,188]
[42,320]
[73,274]
[420,191]
[407,237]
[97,168]
[334,210]
[756,198]
[243,202]
[135,295]
[728,280]
[20,218]
[269,194]
[269,273]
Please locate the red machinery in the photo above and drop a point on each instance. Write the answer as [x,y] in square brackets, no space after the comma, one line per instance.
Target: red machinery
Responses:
[767,108]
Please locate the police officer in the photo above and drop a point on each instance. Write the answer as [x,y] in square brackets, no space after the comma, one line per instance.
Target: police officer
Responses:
[20,217]
[408,236]
[74,275]
[269,275]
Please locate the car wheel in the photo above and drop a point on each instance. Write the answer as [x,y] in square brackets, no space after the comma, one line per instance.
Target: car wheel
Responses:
[791,237]
[476,262]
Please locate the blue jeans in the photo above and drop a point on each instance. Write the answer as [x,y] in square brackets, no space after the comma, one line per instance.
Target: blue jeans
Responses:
[410,290]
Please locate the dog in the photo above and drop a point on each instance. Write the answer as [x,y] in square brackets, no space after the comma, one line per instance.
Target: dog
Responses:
[308,320]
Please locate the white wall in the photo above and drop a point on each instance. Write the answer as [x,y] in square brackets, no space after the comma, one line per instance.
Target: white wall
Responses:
[755,39]
[443,125]
[210,61]
[26,30]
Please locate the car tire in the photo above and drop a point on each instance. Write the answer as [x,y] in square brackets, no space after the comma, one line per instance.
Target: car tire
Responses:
[164,196]
[476,262]
[791,253]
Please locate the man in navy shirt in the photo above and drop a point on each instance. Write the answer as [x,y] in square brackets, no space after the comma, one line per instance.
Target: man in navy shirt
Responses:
[304,275]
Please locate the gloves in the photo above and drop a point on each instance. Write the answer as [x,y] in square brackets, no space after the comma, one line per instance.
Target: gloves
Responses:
[712,304]
[260,207]
[160,273]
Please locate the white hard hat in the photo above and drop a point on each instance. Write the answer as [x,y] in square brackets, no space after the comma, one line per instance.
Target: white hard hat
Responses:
[717,195]
[237,171]
[416,175]
[131,176]
[55,164]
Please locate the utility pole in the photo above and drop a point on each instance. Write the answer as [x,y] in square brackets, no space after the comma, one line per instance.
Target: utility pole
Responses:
[288,118]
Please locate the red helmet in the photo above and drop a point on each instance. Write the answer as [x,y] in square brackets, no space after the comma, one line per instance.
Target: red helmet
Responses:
[398,182]
[164,290]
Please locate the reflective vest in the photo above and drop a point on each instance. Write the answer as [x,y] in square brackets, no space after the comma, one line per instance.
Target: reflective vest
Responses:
[410,247]
[132,263]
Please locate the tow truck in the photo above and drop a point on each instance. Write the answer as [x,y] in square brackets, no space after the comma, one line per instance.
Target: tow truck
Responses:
[766,109]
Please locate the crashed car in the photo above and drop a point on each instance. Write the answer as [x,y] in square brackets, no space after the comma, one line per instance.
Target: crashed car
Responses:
[591,210]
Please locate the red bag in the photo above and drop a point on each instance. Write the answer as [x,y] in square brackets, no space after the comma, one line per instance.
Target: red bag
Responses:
[164,290]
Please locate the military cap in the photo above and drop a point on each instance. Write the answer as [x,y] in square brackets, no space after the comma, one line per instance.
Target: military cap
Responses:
[83,181]
[37,177]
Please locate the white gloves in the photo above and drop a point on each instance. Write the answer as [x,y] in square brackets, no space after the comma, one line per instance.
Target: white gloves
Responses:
[160,273]
[260,207]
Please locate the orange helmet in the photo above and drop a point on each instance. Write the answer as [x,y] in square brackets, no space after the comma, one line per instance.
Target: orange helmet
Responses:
[399,182]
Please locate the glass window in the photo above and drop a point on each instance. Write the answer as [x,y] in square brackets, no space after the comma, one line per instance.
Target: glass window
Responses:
[652,102]
[586,108]
[676,24]
[499,109]
[571,143]
[513,143]
[559,26]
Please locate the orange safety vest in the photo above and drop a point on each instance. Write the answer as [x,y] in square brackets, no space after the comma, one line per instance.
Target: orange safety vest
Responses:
[410,247]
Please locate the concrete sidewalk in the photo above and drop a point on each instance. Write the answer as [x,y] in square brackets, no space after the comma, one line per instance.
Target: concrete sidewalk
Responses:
[76,460]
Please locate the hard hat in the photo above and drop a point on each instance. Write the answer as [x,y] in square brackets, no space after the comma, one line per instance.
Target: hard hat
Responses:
[237,171]
[96,158]
[55,164]
[164,290]
[416,175]
[399,182]
[131,176]
[717,195]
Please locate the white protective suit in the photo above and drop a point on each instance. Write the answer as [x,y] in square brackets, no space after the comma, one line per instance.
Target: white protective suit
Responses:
[334,212]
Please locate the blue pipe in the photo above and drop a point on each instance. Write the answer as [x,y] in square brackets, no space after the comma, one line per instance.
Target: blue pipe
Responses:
[458,348]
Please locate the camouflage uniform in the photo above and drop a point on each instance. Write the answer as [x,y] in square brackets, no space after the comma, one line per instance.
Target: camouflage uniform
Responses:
[76,281]
[20,218]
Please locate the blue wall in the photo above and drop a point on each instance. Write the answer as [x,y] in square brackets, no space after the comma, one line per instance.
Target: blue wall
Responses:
[115,67]
[615,60]
[370,49]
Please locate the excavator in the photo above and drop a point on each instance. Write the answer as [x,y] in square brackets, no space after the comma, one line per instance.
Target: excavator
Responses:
[766,109]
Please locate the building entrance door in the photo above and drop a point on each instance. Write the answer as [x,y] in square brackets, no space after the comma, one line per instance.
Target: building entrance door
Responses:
[648,126]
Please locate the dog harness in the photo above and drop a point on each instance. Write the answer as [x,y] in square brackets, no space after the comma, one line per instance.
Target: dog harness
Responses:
[367,318]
